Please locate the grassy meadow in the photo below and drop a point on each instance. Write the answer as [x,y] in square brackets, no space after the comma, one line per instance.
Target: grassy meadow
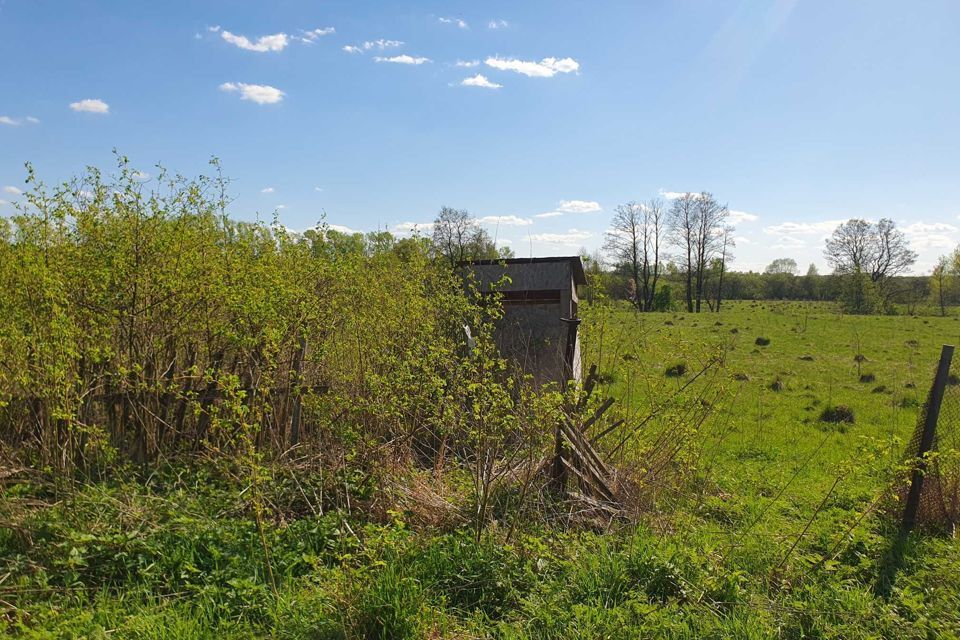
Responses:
[778,530]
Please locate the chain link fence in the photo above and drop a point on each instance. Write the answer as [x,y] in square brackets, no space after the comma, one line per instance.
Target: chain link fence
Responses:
[933,454]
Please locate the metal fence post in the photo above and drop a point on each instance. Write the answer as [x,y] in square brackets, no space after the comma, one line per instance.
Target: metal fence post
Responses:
[926,439]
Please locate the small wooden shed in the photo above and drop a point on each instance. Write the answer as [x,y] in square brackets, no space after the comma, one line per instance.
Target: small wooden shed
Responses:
[538,330]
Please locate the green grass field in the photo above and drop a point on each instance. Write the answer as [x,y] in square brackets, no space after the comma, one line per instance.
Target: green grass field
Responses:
[778,534]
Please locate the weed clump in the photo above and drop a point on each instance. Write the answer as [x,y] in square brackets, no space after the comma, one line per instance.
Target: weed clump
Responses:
[734,330]
[761,341]
[807,358]
[837,414]
[676,370]
[908,403]
[953,380]
[776,385]
[880,388]
[741,376]
[867,378]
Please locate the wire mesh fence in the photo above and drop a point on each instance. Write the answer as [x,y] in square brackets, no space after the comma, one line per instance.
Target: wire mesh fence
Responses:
[932,497]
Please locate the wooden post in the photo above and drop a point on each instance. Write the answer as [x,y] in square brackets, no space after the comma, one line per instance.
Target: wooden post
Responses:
[926,438]
[559,473]
[297,392]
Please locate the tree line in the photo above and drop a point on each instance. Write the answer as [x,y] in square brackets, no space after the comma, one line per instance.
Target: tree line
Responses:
[652,249]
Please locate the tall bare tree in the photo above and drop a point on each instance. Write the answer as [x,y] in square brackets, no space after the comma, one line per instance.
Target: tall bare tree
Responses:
[457,237]
[683,224]
[634,242]
[862,248]
[711,219]
[726,244]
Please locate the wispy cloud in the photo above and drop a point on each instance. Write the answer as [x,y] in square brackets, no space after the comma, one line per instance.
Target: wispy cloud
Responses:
[457,21]
[572,206]
[13,191]
[579,206]
[267,190]
[479,80]
[378,45]
[796,235]
[506,221]
[310,37]
[258,93]
[339,228]
[413,227]
[546,68]
[498,24]
[572,238]
[402,59]
[467,64]
[16,122]
[263,44]
[738,217]
[91,105]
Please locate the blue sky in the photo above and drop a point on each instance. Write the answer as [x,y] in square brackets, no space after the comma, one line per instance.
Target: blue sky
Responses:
[798,114]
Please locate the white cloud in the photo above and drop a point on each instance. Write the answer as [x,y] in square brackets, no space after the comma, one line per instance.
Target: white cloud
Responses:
[141,176]
[578,206]
[91,105]
[738,217]
[546,68]
[480,80]
[280,206]
[379,45]
[12,191]
[413,227]
[318,188]
[457,21]
[309,37]
[938,235]
[498,24]
[16,122]
[342,229]
[259,93]
[467,64]
[923,227]
[263,44]
[743,240]
[214,29]
[824,228]
[571,206]
[506,221]
[267,190]
[3,202]
[572,238]
[673,195]
[795,235]
[402,59]
[33,120]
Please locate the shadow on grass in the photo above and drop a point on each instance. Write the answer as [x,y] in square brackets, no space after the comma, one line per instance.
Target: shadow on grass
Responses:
[892,563]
